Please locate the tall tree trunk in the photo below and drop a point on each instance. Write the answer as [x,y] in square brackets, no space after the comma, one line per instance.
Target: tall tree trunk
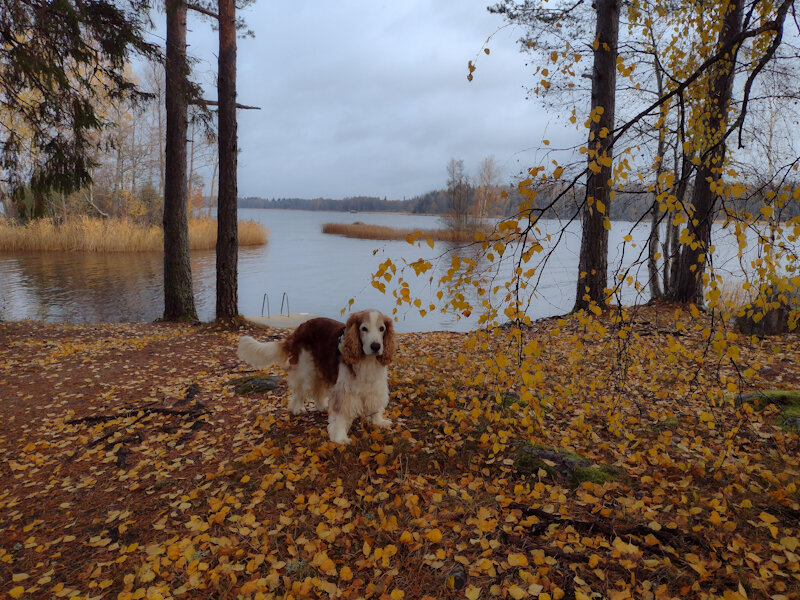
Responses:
[178,298]
[653,241]
[593,261]
[227,233]
[688,285]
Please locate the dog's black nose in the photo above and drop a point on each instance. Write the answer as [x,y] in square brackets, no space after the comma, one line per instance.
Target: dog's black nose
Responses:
[376,347]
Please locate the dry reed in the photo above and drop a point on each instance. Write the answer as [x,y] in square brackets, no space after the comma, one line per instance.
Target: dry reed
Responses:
[381,232]
[86,234]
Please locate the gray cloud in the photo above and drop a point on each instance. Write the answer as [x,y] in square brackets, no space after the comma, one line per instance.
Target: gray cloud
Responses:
[367,97]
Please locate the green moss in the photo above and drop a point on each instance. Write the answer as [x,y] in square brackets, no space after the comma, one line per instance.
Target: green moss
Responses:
[787,401]
[667,423]
[529,465]
[254,384]
[783,397]
[570,454]
[762,398]
[526,461]
[596,474]
[508,400]
[789,419]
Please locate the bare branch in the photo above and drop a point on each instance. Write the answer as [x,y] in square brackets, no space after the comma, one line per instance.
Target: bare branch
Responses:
[206,103]
[202,10]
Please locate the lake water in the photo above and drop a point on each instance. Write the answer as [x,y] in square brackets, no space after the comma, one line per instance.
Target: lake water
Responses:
[318,273]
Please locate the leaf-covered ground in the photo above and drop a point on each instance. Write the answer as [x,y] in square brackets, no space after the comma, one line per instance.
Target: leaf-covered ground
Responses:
[130,468]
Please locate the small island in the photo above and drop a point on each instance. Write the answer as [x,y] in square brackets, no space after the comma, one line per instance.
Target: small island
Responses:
[368,231]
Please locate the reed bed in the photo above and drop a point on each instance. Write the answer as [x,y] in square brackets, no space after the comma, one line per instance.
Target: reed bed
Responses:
[382,232]
[87,234]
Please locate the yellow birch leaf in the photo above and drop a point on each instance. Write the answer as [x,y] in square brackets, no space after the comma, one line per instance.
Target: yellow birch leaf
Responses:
[790,543]
[472,592]
[517,560]
[768,518]
[517,592]
[434,535]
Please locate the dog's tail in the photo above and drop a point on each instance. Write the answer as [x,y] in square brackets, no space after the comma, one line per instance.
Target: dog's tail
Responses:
[261,354]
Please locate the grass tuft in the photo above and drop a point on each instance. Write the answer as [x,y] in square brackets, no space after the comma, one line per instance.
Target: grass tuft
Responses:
[88,234]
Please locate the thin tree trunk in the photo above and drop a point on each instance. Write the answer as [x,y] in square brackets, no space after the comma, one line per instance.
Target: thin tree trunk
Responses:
[227,233]
[178,298]
[134,161]
[688,285]
[189,190]
[161,149]
[213,187]
[116,198]
[593,261]
[653,241]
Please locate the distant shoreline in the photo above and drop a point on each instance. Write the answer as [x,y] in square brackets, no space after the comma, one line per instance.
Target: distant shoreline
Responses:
[345,212]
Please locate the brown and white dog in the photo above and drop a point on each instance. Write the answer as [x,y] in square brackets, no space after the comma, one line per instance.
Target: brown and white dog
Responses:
[340,366]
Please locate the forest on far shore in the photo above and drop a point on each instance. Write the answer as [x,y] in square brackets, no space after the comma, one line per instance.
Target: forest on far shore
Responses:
[629,204]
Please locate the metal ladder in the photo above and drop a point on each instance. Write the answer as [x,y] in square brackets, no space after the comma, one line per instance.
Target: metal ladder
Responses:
[265,301]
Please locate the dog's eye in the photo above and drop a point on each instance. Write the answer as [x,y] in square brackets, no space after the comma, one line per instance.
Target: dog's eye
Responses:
[381,328]
[364,328]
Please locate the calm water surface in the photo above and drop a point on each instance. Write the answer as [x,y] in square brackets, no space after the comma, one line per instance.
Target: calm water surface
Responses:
[318,273]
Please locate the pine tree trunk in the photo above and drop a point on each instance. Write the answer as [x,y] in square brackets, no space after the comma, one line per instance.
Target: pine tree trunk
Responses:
[688,284]
[227,233]
[178,298]
[593,261]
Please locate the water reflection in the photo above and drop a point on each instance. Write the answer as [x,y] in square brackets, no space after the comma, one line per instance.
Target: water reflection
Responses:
[92,287]
[318,272]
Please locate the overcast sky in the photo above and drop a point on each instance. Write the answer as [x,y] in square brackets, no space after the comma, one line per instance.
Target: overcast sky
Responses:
[370,97]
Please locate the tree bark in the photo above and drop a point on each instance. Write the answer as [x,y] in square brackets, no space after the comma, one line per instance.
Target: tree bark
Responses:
[178,298]
[227,228]
[593,261]
[653,241]
[688,284]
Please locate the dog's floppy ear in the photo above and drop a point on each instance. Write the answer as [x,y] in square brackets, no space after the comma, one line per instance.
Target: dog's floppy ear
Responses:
[388,342]
[351,344]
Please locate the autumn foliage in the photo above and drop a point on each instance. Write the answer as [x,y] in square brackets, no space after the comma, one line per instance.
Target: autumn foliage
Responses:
[626,466]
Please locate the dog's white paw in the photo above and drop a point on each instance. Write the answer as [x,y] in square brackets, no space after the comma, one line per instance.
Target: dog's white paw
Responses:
[298,409]
[382,422]
[337,431]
